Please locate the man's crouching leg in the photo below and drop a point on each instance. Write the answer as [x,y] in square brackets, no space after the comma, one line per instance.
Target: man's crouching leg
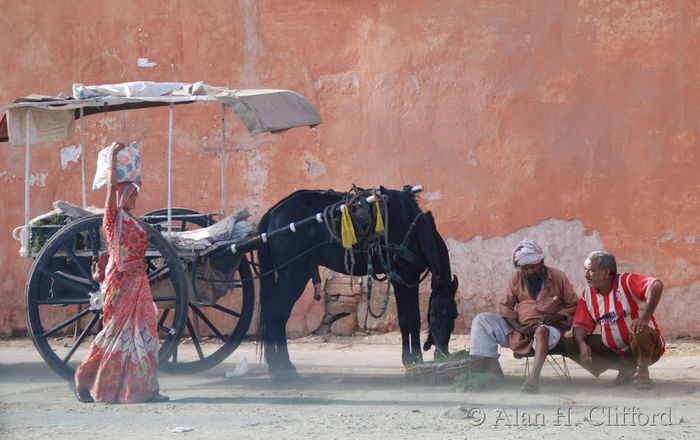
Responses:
[603,359]
[487,332]
[646,348]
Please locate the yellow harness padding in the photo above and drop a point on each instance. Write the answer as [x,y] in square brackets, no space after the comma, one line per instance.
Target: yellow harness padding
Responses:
[380,222]
[346,228]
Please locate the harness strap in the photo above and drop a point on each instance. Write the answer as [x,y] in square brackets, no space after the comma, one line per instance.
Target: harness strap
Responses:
[406,254]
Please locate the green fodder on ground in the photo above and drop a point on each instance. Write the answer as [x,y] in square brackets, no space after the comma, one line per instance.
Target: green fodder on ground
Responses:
[471,381]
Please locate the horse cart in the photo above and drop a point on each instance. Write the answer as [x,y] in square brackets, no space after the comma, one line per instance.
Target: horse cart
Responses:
[203,268]
[205,306]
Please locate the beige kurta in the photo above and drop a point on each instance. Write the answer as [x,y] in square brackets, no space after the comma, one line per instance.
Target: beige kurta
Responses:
[557,296]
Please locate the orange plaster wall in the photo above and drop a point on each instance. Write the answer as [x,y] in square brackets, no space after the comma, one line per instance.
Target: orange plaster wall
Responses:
[508,112]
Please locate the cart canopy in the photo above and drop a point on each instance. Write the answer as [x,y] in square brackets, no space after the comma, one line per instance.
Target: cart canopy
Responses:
[52,118]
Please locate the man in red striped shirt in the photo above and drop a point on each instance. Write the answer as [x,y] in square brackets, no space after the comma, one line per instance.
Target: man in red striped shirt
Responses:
[623,305]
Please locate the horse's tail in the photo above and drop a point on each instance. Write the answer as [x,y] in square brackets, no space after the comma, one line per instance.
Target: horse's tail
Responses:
[266,281]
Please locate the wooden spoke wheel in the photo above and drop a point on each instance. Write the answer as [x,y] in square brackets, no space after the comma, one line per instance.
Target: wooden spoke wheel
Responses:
[215,325]
[218,320]
[63,302]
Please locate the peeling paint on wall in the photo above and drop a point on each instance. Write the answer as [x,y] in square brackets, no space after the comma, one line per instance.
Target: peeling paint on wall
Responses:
[484,266]
[144,62]
[414,80]
[435,195]
[472,161]
[665,237]
[37,179]
[313,169]
[69,154]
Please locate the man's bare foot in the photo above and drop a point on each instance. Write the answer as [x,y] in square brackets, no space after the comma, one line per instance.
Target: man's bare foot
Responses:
[624,376]
[529,387]
[644,382]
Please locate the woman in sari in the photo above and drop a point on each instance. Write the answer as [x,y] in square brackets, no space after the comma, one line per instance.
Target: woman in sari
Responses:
[122,361]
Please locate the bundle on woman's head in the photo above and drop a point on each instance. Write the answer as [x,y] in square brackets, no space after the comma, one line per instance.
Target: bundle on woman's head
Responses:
[128,165]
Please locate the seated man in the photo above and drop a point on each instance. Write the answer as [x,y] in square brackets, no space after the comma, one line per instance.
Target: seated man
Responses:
[623,305]
[538,307]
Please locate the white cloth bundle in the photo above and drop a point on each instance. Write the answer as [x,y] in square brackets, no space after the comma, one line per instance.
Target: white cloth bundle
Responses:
[128,166]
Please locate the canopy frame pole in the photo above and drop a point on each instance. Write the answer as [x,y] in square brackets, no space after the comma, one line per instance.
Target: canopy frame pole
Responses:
[26,171]
[223,160]
[170,172]
[82,155]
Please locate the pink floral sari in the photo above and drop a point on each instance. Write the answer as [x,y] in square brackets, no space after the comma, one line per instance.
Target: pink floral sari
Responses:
[122,361]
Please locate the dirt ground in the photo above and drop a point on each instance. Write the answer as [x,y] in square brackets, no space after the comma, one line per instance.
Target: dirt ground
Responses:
[355,388]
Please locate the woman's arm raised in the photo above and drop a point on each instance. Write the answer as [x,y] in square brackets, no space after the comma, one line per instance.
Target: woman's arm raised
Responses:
[115,148]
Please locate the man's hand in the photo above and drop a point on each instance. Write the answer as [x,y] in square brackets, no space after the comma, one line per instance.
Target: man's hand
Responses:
[527,330]
[552,319]
[653,298]
[638,325]
[584,350]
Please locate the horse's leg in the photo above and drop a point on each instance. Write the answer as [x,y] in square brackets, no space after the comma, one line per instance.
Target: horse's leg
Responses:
[409,323]
[288,289]
[270,316]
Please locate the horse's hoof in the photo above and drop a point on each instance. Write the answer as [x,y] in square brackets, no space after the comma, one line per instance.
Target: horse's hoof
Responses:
[439,355]
[412,360]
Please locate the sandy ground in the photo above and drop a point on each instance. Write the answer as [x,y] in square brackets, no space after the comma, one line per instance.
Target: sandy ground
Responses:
[355,388]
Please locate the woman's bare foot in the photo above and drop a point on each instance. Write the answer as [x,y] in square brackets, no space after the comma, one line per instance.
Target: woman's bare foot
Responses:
[157,397]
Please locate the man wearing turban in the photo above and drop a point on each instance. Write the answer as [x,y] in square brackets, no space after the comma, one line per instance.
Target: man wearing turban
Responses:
[538,307]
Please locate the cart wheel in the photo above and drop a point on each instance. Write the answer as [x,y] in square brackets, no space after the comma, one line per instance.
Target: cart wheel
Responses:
[215,329]
[63,302]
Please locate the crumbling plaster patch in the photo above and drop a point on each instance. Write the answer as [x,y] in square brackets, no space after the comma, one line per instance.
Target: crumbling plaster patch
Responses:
[70,153]
[484,266]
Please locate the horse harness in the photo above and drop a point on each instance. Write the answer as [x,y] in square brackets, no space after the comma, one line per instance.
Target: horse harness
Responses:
[371,242]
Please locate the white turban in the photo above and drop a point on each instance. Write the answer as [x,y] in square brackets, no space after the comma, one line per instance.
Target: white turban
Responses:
[527,252]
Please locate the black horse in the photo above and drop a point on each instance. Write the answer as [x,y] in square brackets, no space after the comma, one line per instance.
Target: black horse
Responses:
[411,245]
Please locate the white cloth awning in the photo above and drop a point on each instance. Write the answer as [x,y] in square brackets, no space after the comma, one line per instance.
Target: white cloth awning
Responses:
[52,118]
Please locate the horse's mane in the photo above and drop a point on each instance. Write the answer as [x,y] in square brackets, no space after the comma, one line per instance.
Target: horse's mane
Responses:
[327,192]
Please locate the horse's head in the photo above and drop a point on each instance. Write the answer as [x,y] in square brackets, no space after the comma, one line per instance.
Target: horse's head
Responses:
[442,312]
